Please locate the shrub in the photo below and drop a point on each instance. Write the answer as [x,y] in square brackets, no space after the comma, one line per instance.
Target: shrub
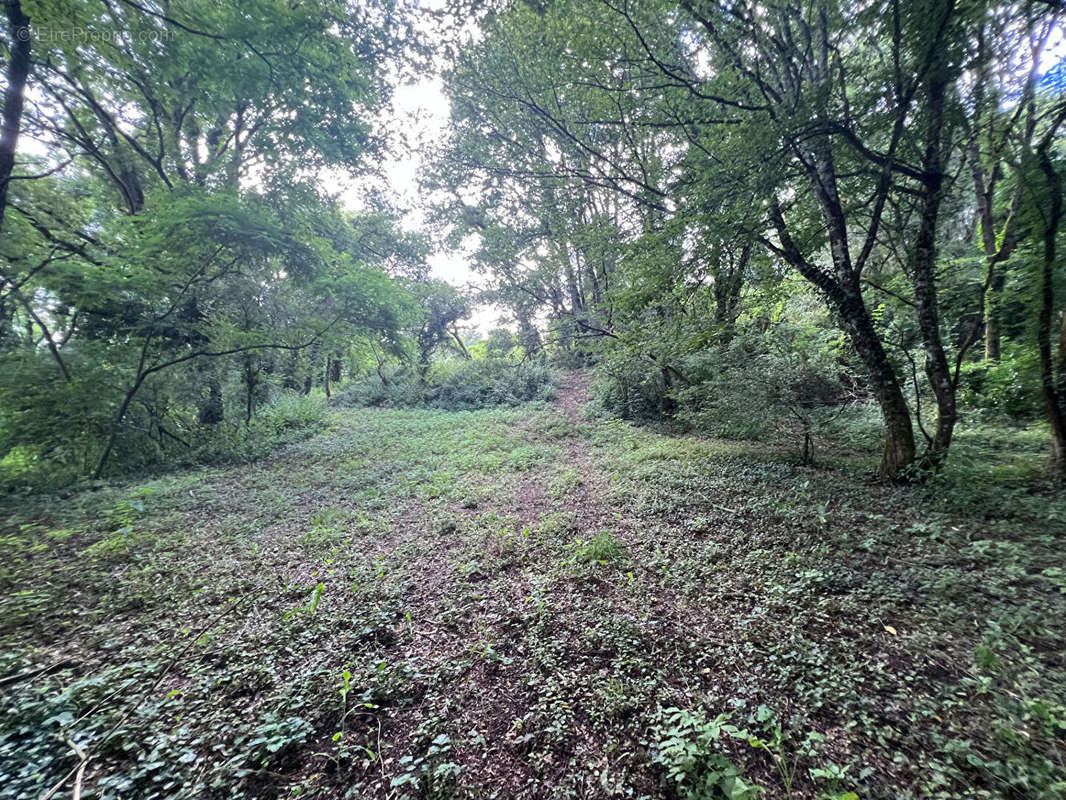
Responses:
[600,549]
[629,391]
[787,375]
[395,386]
[727,384]
[462,385]
[749,388]
[858,425]
[455,385]
[688,748]
[56,460]
[1009,387]
[51,430]
[291,417]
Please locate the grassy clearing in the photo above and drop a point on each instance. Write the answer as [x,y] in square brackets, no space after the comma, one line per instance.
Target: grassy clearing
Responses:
[512,604]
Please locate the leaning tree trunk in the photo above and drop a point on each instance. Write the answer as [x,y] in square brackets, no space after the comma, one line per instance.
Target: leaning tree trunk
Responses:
[899,451]
[844,293]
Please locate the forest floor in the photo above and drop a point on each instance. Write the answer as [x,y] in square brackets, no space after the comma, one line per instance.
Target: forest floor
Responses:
[527,603]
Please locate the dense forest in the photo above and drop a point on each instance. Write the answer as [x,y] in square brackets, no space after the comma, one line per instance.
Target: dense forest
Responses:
[798,209]
[729,464]
[785,207]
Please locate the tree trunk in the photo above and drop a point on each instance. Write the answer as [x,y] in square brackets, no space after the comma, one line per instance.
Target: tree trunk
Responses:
[291,379]
[1049,379]
[924,277]
[577,302]
[454,333]
[728,282]
[528,335]
[994,279]
[846,291]
[899,452]
[312,360]
[992,314]
[423,367]
[212,411]
[845,295]
[251,382]
[667,404]
[18,71]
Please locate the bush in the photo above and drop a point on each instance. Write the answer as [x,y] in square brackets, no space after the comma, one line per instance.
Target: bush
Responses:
[857,425]
[455,385]
[291,417]
[41,448]
[1009,387]
[727,385]
[50,429]
[745,389]
[462,385]
[394,386]
[630,390]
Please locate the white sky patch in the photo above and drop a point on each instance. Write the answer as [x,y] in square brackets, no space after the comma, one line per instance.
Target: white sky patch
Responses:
[1055,50]
[416,123]
[419,117]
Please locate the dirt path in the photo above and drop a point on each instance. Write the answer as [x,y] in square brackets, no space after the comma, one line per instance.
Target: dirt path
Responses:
[573,393]
[590,499]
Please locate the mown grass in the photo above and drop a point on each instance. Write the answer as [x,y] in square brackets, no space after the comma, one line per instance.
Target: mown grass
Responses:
[503,603]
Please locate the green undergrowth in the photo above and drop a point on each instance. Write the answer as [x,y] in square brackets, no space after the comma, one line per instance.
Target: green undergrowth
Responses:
[455,385]
[290,418]
[430,604]
[917,624]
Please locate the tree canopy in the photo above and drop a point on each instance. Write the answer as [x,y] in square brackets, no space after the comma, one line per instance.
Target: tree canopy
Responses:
[649,173]
[165,233]
[871,188]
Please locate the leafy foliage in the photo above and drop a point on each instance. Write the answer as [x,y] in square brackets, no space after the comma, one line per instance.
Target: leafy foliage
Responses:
[450,566]
[173,266]
[636,175]
[456,385]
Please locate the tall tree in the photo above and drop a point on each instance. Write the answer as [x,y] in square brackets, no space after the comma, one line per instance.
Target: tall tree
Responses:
[172,225]
[829,134]
[15,77]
